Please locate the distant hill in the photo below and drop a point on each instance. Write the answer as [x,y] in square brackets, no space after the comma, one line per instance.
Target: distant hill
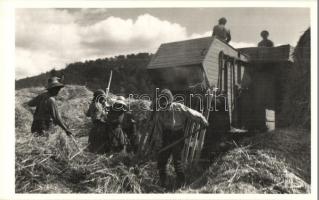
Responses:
[129,74]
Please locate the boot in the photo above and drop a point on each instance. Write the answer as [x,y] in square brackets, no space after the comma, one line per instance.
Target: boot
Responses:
[162,179]
[180,180]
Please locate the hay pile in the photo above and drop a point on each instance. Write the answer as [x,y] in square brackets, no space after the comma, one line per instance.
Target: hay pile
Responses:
[296,105]
[244,170]
[54,164]
[293,146]
[273,162]
[73,102]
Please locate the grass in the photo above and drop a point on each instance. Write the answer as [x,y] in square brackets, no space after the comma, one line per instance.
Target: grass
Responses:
[275,162]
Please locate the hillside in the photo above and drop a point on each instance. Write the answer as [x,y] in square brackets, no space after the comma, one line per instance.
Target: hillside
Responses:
[129,74]
[54,165]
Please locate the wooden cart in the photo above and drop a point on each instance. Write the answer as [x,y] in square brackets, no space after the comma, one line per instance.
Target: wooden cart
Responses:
[199,67]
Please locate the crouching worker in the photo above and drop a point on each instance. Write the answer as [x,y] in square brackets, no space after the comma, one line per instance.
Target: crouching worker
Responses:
[172,118]
[114,125]
[98,137]
[46,114]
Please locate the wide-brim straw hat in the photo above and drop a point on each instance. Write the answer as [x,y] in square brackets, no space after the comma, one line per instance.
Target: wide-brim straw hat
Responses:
[120,100]
[168,94]
[53,82]
[99,93]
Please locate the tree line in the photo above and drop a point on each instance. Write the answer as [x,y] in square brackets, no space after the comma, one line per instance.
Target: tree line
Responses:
[129,74]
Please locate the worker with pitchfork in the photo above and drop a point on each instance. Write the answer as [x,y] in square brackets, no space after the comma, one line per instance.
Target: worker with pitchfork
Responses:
[46,114]
[171,117]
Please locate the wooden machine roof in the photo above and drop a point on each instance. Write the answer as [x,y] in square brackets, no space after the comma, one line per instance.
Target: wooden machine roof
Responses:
[188,52]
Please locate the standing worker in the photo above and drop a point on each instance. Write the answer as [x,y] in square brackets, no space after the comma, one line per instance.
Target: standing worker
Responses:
[221,32]
[46,114]
[218,127]
[129,128]
[114,125]
[265,41]
[172,117]
[98,138]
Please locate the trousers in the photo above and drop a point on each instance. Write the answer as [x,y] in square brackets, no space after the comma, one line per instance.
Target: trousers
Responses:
[40,127]
[99,141]
[176,151]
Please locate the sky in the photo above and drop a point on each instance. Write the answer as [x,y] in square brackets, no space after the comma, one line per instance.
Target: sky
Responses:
[47,38]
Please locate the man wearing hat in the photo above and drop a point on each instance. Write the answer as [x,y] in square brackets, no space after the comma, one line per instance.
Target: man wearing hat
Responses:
[220,31]
[46,114]
[265,41]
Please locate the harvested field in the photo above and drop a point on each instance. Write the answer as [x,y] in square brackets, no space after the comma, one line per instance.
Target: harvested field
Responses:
[276,162]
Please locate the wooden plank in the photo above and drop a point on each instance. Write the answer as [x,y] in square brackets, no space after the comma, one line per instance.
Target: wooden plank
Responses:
[211,63]
[235,73]
[206,113]
[239,73]
[142,141]
[225,48]
[213,75]
[212,56]
[191,143]
[212,71]
[186,143]
[281,53]
[213,78]
[230,88]
[195,142]
[201,144]
[211,67]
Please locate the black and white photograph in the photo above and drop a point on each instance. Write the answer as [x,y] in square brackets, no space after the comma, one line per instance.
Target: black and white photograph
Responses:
[164,100]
